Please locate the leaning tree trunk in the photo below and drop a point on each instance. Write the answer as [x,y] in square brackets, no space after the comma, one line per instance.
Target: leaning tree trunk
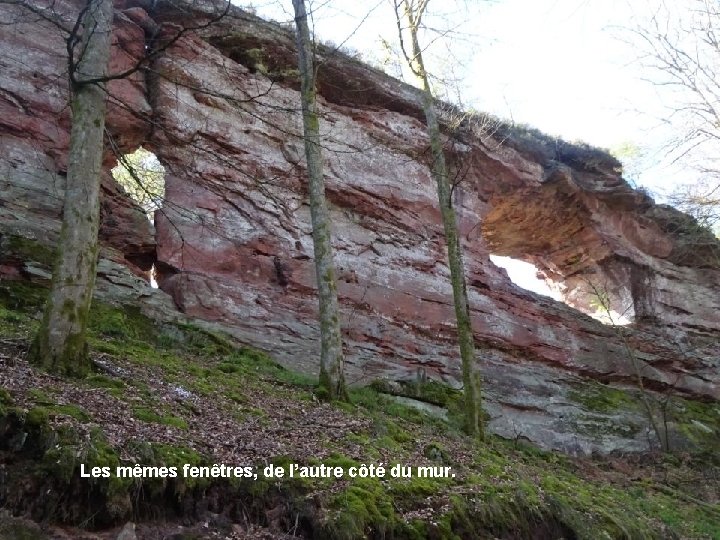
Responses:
[471,377]
[332,378]
[60,345]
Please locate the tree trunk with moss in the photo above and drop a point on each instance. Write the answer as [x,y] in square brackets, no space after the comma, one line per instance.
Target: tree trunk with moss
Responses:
[471,378]
[60,345]
[332,378]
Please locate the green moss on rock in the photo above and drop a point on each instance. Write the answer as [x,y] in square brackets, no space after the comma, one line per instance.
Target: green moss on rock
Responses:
[22,297]
[600,398]
[363,509]
[27,249]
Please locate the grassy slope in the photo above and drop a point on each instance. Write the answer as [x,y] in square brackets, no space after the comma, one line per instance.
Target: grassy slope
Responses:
[177,394]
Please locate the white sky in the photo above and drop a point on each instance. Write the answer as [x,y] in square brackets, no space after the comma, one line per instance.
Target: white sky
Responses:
[562,66]
[524,274]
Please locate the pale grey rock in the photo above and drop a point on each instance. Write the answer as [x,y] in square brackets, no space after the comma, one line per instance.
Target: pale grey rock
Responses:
[235,203]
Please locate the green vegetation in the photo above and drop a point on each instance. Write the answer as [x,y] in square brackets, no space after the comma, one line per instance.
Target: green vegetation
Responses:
[148,415]
[429,391]
[501,488]
[596,397]
[20,302]
[363,506]
[73,411]
[114,387]
[699,422]
[6,401]
[28,250]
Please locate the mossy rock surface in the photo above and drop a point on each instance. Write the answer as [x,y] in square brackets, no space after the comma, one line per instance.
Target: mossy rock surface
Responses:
[601,398]
[26,249]
[503,489]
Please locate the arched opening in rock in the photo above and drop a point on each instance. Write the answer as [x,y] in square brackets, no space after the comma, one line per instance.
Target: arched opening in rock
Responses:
[595,300]
[526,275]
[142,176]
[604,311]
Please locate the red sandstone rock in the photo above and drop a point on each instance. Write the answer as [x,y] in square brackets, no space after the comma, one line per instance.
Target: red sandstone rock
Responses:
[34,132]
[234,246]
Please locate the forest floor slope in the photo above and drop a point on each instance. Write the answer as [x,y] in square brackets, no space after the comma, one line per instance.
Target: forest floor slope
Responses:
[172,394]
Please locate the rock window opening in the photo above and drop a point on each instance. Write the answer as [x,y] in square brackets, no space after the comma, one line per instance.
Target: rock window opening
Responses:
[597,303]
[153,277]
[602,306]
[526,275]
[142,176]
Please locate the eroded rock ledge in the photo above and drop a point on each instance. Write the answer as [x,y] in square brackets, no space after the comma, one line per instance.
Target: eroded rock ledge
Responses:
[232,244]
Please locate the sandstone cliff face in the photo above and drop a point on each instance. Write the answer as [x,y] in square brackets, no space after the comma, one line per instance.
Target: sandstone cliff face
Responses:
[232,244]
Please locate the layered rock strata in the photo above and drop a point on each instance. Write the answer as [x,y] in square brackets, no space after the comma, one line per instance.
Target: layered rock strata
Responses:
[232,244]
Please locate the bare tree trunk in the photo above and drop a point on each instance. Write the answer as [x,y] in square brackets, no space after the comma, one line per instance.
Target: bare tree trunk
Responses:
[471,377]
[60,345]
[332,378]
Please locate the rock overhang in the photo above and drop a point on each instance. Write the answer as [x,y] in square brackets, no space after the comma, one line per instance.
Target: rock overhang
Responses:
[222,117]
